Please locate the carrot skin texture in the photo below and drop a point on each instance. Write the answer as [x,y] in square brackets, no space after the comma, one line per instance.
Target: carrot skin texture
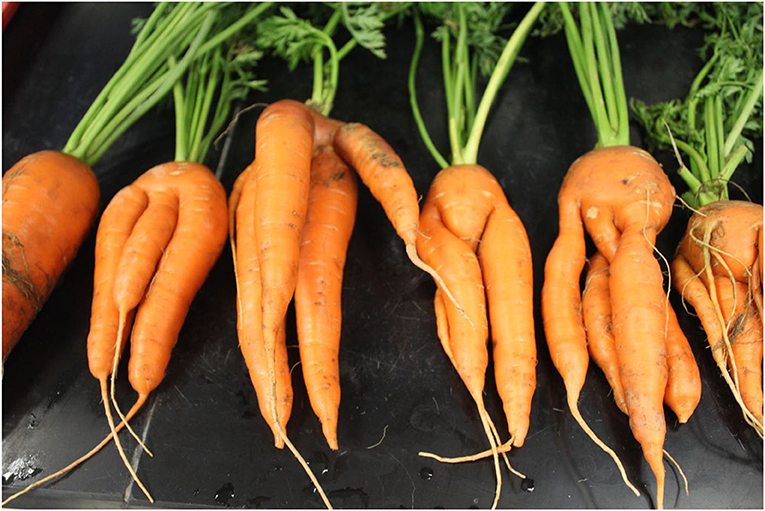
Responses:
[596,313]
[144,249]
[250,333]
[195,246]
[329,224]
[717,269]
[284,148]
[505,256]
[117,222]
[467,208]
[50,200]
[683,391]
[383,172]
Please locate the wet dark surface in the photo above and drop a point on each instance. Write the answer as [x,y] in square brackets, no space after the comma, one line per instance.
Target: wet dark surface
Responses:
[212,448]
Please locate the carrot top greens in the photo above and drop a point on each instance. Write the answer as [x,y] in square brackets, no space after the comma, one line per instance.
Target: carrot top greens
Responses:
[722,112]
[297,39]
[180,32]
[469,44]
[220,76]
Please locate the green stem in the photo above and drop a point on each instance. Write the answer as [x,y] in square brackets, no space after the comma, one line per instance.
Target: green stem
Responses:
[574,40]
[504,64]
[75,140]
[420,36]
[711,133]
[133,81]
[591,67]
[603,59]
[235,27]
[746,111]
[733,162]
[318,75]
[623,131]
[209,95]
[98,150]
[457,116]
[718,117]
[180,116]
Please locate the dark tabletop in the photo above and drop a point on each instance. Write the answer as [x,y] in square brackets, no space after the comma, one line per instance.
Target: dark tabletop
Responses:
[400,393]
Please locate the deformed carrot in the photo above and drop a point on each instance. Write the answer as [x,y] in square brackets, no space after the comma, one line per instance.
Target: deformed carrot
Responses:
[251,341]
[596,313]
[683,390]
[383,172]
[327,231]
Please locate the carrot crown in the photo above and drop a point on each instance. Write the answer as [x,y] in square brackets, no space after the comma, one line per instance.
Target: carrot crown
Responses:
[715,122]
[468,45]
[180,32]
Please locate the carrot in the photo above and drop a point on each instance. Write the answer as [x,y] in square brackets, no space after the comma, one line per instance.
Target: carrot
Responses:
[172,220]
[383,172]
[50,200]
[327,231]
[596,314]
[278,200]
[716,269]
[463,338]
[468,233]
[251,341]
[683,390]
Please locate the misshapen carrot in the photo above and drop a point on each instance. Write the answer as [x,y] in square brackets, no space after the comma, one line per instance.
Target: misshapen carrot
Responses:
[466,212]
[683,390]
[596,314]
[329,223]
[50,200]
[250,333]
[618,193]
[383,172]
[717,269]
[284,142]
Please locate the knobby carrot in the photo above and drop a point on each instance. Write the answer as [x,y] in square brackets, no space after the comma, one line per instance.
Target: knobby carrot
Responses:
[467,209]
[329,223]
[383,172]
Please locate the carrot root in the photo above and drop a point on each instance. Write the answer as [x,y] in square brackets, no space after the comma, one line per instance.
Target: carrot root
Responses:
[110,419]
[137,406]
[572,404]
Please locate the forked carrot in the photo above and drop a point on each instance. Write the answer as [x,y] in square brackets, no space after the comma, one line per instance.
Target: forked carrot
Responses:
[251,341]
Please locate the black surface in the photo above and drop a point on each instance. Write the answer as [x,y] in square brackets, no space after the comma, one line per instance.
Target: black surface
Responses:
[212,447]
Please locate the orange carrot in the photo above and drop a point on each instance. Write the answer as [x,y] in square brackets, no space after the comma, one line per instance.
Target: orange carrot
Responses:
[383,172]
[327,231]
[50,200]
[683,390]
[615,190]
[467,209]
[596,313]
[718,271]
[251,341]
[284,142]
[178,222]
